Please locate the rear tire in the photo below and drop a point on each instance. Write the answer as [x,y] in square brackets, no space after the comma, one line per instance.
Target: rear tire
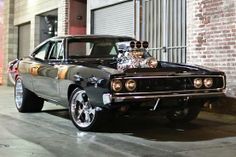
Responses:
[185,114]
[25,100]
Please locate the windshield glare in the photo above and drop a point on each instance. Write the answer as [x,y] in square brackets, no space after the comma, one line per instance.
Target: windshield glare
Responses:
[105,48]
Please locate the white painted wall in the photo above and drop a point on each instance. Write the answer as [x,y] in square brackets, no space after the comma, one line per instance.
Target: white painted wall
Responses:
[27,10]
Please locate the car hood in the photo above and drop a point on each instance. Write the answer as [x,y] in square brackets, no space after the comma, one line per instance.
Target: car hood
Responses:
[163,68]
[186,68]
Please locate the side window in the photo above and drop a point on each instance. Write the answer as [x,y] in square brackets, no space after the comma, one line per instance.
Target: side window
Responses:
[42,52]
[56,51]
[61,52]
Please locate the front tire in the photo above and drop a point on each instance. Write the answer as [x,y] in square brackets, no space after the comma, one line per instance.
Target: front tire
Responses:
[185,114]
[25,100]
[82,113]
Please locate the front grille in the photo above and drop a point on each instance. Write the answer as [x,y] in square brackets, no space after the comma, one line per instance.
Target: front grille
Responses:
[172,84]
[165,84]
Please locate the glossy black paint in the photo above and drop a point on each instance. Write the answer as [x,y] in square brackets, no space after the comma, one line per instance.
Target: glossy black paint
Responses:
[54,80]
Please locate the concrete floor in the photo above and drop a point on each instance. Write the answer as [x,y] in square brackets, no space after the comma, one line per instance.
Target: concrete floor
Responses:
[51,134]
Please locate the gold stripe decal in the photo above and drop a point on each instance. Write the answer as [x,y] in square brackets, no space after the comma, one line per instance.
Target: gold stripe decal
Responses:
[62,71]
[34,69]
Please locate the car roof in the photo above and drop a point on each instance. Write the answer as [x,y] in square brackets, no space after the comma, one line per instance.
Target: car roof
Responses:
[94,37]
[89,37]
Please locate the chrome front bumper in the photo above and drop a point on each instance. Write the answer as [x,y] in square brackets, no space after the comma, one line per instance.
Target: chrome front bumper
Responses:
[108,98]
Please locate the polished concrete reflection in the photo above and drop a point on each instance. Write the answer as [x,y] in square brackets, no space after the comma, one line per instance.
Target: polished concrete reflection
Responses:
[50,133]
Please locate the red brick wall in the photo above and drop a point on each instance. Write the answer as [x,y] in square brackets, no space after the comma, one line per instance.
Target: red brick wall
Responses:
[1,40]
[63,17]
[211,35]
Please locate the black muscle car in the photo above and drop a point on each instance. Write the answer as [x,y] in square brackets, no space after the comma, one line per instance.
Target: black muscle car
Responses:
[93,75]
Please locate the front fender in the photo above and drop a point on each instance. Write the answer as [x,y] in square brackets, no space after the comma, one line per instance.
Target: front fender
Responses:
[93,80]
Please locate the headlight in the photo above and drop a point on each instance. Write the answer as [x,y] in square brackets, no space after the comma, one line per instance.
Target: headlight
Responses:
[208,82]
[130,85]
[152,62]
[116,85]
[197,82]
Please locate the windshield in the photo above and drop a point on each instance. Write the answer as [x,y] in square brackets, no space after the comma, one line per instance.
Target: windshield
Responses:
[95,48]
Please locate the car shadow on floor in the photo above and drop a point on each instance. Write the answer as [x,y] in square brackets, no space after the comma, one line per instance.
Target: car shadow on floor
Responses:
[160,129]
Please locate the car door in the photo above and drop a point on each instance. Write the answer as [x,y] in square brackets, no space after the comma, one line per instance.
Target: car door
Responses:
[47,60]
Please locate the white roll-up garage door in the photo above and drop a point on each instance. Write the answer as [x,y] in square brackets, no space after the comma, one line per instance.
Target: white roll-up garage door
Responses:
[114,20]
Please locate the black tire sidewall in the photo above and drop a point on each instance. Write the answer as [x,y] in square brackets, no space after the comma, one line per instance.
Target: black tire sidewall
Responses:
[30,101]
[94,125]
[193,107]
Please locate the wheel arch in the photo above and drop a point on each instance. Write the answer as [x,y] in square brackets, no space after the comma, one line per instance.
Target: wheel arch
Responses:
[71,88]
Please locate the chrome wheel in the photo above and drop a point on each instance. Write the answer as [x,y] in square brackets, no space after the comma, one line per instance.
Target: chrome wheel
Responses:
[82,112]
[18,93]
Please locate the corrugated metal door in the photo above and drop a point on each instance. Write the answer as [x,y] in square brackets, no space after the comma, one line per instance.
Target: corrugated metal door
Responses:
[114,20]
[24,40]
[164,26]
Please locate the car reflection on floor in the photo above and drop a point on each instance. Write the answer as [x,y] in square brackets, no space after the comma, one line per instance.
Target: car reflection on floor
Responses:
[159,129]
